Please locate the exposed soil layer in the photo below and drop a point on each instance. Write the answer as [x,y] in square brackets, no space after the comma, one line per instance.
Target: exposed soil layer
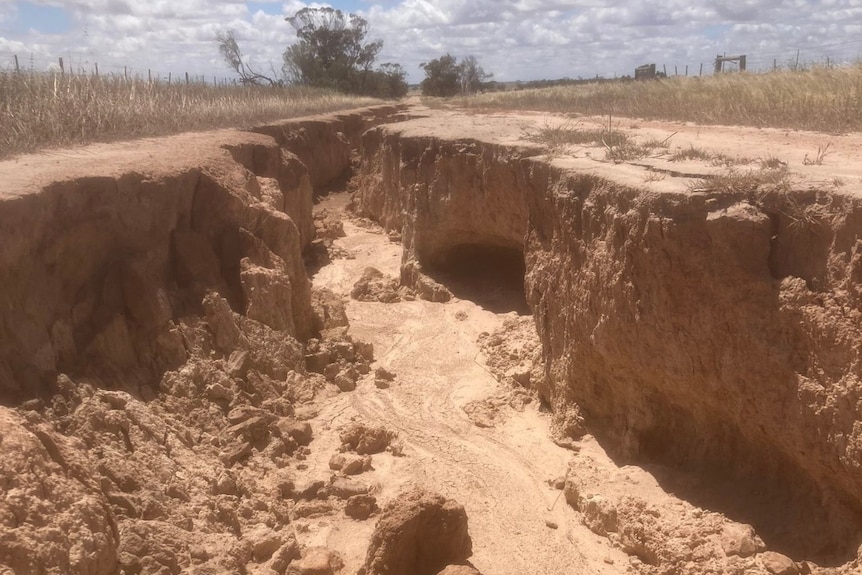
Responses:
[714,331]
[178,396]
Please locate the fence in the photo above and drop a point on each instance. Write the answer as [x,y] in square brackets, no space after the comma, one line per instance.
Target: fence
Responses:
[82,67]
[825,55]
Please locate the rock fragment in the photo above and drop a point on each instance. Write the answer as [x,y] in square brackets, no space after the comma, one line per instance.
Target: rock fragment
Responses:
[418,533]
[366,440]
[778,564]
[360,507]
[317,561]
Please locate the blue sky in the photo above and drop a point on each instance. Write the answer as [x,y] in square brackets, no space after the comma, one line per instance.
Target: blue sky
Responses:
[514,39]
[43,18]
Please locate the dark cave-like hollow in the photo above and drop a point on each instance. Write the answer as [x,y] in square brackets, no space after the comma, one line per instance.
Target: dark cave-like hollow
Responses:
[491,276]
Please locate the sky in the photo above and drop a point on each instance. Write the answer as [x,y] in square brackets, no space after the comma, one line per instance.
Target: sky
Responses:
[513,39]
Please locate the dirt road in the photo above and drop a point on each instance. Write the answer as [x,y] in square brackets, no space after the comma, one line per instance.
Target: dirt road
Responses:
[499,474]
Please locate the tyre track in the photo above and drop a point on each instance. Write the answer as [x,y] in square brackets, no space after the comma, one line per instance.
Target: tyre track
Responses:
[498,474]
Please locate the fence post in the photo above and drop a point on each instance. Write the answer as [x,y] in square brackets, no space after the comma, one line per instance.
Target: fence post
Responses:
[97,69]
[187,77]
[62,68]
[126,73]
[149,76]
[169,77]
[701,69]
[796,66]
[664,69]
[17,68]
[774,64]
[686,70]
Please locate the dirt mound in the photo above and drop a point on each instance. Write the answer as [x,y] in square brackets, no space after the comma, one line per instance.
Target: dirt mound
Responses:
[339,358]
[663,534]
[495,409]
[327,225]
[375,286]
[53,516]
[366,440]
[418,533]
[513,353]
[328,310]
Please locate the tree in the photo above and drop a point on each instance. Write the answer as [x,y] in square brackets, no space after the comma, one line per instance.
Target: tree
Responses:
[446,77]
[442,77]
[332,52]
[473,76]
[388,81]
[233,56]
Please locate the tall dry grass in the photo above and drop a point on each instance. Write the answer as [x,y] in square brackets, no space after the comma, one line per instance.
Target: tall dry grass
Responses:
[40,111]
[828,100]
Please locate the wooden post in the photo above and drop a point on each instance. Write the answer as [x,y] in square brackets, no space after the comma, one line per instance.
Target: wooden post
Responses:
[187,77]
[664,68]
[796,66]
[686,70]
[97,69]
[62,68]
[125,72]
[149,76]
[169,77]
[774,64]
[701,68]
[17,68]
[675,71]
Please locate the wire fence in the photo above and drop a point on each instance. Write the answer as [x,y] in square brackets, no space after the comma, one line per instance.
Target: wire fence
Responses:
[832,55]
[81,66]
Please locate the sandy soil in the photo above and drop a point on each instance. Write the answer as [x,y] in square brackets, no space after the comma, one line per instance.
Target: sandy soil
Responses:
[501,474]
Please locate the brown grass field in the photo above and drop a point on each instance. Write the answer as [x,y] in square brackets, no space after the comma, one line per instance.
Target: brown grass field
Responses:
[820,99]
[39,111]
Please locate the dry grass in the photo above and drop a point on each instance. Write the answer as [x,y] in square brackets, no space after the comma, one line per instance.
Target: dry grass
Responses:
[770,188]
[571,133]
[618,145]
[40,111]
[828,100]
[713,158]
[759,182]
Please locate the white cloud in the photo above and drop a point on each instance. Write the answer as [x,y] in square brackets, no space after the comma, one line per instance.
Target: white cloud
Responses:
[515,39]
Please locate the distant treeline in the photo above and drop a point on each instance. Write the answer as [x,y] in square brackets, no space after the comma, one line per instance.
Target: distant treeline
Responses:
[519,85]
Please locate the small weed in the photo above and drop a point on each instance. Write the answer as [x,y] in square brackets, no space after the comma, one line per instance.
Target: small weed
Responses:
[624,150]
[652,176]
[772,163]
[654,143]
[570,134]
[764,181]
[714,158]
[818,158]
[690,153]
[769,188]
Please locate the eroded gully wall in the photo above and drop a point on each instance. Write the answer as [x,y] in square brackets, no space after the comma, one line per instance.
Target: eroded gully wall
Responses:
[710,330]
[101,253]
